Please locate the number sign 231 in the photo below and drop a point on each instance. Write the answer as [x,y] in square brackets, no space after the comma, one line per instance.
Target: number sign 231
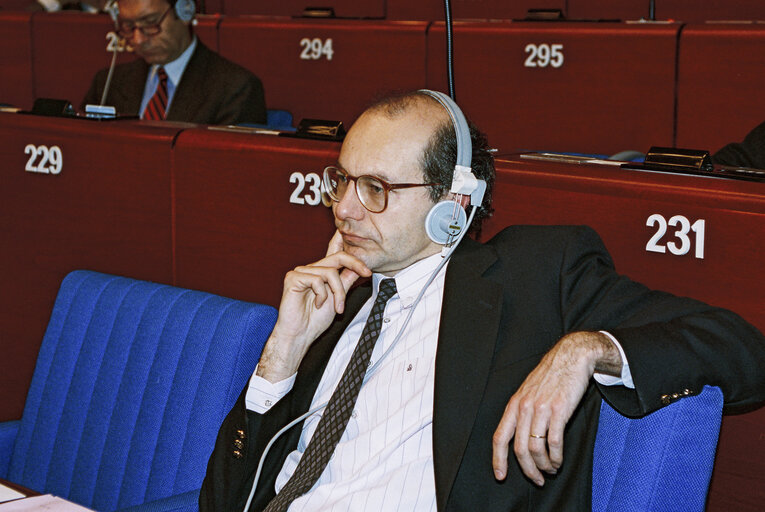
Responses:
[681,244]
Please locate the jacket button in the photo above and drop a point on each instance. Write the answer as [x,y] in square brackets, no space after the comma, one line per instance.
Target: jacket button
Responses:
[238,444]
[237,454]
[686,392]
[665,400]
[241,434]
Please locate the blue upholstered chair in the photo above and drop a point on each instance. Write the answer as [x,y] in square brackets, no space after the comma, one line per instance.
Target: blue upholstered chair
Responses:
[661,462]
[132,382]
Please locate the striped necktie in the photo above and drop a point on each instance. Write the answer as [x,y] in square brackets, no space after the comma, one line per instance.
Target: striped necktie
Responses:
[155,109]
[339,408]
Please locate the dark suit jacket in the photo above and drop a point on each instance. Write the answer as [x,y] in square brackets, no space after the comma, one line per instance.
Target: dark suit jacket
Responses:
[748,153]
[212,90]
[505,304]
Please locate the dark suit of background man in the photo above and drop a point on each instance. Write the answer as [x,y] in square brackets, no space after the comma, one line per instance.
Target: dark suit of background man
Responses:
[509,334]
[203,86]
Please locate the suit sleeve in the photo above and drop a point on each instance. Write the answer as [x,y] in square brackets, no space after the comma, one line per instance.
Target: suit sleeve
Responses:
[245,102]
[748,153]
[672,343]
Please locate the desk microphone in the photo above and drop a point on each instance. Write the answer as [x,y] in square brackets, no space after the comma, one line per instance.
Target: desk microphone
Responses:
[116,44]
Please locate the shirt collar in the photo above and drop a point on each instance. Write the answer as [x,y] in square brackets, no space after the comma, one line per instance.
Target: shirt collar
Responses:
[409,282]
[176,68]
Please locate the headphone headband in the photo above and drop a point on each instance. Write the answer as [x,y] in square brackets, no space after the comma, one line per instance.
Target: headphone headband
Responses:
[461,129]
[464,181]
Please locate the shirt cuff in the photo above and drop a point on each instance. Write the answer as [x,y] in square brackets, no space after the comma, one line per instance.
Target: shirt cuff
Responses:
[626,377]
[262,395]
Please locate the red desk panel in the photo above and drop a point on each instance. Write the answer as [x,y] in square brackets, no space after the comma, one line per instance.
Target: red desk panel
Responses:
[593,88]
[682,10]
[367,59]
[70,47]
[16,59]
[236,231]
[618,203]
[14,5]
[107,209]
[296,8]
[708,10]
[468,9]
[721,70]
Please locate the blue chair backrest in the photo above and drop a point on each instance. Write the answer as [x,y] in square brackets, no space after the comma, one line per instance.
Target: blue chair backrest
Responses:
[662,462]
[132,382]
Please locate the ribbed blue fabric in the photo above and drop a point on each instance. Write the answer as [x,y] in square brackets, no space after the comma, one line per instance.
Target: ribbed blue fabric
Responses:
[132,382]
[661,462]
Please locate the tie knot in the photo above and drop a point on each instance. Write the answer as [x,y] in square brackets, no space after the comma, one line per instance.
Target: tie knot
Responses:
[161,74]
[387,290]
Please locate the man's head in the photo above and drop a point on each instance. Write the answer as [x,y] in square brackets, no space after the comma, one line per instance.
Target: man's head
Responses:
[153,29]
[403,139]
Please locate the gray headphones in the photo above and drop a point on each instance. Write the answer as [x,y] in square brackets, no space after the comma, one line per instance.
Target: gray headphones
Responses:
[184,9]
[447,219]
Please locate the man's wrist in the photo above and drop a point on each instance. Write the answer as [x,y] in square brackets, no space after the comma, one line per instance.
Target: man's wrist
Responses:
[279,359]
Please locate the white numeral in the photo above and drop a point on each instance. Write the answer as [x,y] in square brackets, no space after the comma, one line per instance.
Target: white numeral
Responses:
[681,234]
[314,49]
[52,156]
[314,184]
[543,55]
[115,43]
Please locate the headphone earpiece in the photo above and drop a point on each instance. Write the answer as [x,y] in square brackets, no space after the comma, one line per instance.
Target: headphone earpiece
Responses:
[445,221]
[185,10]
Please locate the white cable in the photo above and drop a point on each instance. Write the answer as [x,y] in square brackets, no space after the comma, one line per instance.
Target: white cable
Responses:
[371,370]
[109,77]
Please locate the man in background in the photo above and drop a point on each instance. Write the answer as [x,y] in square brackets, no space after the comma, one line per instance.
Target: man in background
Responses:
[177,77]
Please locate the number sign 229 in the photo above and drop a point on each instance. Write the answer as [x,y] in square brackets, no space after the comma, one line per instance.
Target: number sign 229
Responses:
[51,159]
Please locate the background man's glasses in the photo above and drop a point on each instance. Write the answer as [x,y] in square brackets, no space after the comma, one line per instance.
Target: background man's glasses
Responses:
[372,192]
[127,28]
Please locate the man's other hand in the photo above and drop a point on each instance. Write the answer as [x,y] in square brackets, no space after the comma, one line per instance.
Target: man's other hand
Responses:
[536,415]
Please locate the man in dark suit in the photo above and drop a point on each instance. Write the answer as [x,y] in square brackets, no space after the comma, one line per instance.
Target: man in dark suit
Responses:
[200,85]
[516,342]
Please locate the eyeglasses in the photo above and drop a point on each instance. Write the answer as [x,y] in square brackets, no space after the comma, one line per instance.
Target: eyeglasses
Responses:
[372,192]
[126,28]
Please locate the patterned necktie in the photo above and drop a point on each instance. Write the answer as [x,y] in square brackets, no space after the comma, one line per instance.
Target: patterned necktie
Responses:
[155,109]
[335,418]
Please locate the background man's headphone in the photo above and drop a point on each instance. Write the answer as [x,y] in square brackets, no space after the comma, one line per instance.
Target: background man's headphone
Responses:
[184,9]
[447,219]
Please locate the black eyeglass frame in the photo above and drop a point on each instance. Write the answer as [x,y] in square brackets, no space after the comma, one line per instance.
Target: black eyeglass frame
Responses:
[387,187]
[126,29]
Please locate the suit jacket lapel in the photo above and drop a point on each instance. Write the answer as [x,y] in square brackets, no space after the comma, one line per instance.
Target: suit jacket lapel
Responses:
[186,99]
[470,317]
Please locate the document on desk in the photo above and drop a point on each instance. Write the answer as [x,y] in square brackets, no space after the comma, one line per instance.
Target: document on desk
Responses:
[7,494]
[43,503]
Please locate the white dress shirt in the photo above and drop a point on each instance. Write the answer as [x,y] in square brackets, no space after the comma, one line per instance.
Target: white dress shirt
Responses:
[384,460]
